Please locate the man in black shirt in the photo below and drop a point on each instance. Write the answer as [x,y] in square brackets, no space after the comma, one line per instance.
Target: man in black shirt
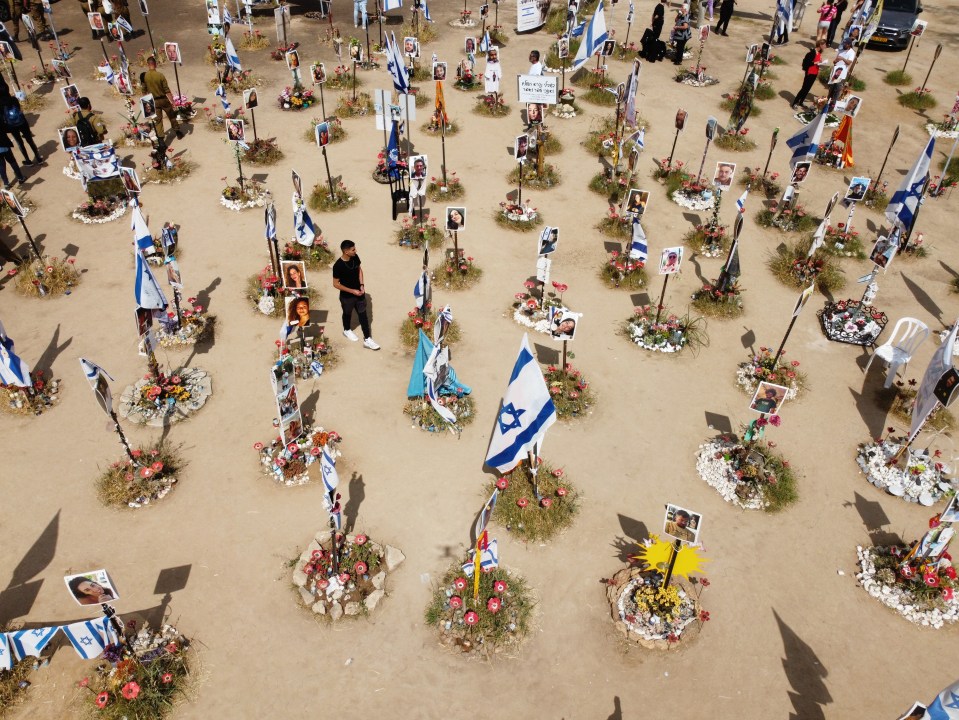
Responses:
[348,279]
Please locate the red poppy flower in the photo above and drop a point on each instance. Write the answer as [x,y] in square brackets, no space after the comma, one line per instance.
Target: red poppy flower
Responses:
[344,577]
[934,522]
[502,483]
[360,568]
[136,453]
[171,647]
[931,579]
[546,502]
[522,502]
[950,572]
[561,491]
[703,616]
[156,466]
[166,678]
[360,540]
[907,571]
[704,582]
[258,446]
[315,451]
[558,472]
[494,604]
[456,602]
[130,690]
[146,473]
[292,447]
[471,618]
[83,683]
[323,584]
[102,700]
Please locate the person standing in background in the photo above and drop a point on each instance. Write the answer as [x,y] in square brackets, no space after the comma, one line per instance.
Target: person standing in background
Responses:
[834,25]
[156,85]
[725,15]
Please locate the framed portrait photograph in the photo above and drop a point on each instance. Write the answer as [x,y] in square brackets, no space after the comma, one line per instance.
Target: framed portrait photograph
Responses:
[297,186]
[849,106]
[292,60]
[288,403]
[682,524]
[681,119]
[148,107]
[322,132]
[173,272]
[297,308]
[96,21]
[484,10]
[6,52]
[130,180]
[249,98]
[294,274]
[124,86]
[838,73]
[723,177]
[439,71]
[11,201]
[116,32]
[636,201]
[857,189]
[562,46]
[563,324]
[883,252]
[71,97]
[69,138]
[236,130]
[318,71]
[61,68]
[409,46]
[951,512]
[534,114]
[800,173]
[919,28]
[492,55]
[520,147]
[455,218]
[470,45]
[91,588]
[670,260]
[751,52]
[609,47]
[546,245]
[419,165]
[291,428]
[172,51]
[945,389]
[356,53]
[768,398]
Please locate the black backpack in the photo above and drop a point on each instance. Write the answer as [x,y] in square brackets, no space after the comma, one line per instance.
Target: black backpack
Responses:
[13,116]
[88,136]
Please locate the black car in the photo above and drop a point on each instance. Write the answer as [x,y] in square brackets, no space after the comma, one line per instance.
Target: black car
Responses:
[897,19]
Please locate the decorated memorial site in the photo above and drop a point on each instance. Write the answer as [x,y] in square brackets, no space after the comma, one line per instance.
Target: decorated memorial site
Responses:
[672,295]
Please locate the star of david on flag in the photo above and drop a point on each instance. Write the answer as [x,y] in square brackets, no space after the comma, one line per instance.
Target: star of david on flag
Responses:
[904,203]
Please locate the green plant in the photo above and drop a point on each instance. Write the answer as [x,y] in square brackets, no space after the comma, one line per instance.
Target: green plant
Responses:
[264,151]
[918,99]
[769,474]
[608,186]
[14,683]
[316,256]
[457,276]
[855,84]
[621,271]
[843,243]
[713,302]
[791,267]
[436,191]
[414,322]
[491,105]
[424,32]
[532,519]
[615,225]
[423,414]
[415,235]
[787,219]
[736,142]
[708,239]
[337,131]
[764,91]
[532,179]
[322,201]
[669,333]
[898,77]
[729,103]
[153,470]
[54,275]
[347,107]
[503,217]
[570,392]
[903,401]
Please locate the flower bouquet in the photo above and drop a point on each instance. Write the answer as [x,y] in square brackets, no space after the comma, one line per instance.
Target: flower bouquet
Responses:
[296,98]
[254,40]
[279,53]
[195,326]
[622,271]
[322,201]
[830,154]
[792,267]
[499,617]
[414,235]
[289,464]
[923,480]
[50,278]
[184,107]
[162,399]
[569,391]
[341,79]
[33,400]
[457,274]
[437,191]
[251,194]
[851,321]
[348,107]
[416,321]
[924,591]
[708,239]
[493,105]
[354,585]
[749,474]
[532,307]
[148,477]
[146,676]
[466,79]
[754,180]
[762,367]
[670,334]
[263,151]
[316,256]
[518,217]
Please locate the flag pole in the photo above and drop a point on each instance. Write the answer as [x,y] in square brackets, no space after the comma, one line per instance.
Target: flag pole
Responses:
[662,296]
[912,41]
[253,118]
[123,438]
[772,146]
[519,194]
[669,161]
[323,102]
[33,243]
[782,345]
[354,79]
[895,136]
[533,472]
[239,164]
[931,66]
[677,546]
[564,358]
[334,554]
[176,76]
[915,216]
[146,19]
[443,140]
[329,176]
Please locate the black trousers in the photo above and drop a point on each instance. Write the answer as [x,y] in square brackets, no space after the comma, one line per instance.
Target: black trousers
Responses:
[680,49]
[807,84]
[351,303]
[723,23]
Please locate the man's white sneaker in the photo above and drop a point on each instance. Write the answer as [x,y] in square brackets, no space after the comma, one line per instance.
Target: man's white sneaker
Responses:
[371,344]
[350,335]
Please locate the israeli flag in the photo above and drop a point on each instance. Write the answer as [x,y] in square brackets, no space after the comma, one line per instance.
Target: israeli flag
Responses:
[32,642]
[6,657]
[594,38]
[86,637]
[426,12]
[227,18]
[302,222]
[392,5]
[946,704]
[819,237]
[146,290]
[638,138]
[904,203]
[270,219]
[442,324]
[221,93]
[489,559]
[578,30]
[232,59]
[328,470]
[741,203]
[485,515]
[805,142]
[638,248]
[421,290]
[436,371]
[485,43]
[122,22]
[526,414]
[107,72]
[396,67]
[784,18]
[13,371]
[93,372]
[393,152]
[141,233]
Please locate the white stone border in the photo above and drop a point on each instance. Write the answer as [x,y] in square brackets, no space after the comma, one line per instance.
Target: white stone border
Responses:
[115,215]
[719,475]
[933,131]
[925,488]
[643,630]
[236,206]
[697,204]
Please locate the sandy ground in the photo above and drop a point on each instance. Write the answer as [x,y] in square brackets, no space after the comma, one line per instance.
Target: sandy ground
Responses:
[789,636]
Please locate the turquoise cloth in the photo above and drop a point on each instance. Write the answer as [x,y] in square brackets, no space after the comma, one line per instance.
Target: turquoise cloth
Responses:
[417,386]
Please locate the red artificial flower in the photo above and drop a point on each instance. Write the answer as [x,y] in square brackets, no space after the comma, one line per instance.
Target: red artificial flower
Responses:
[460,583]
[948,594]
[102,700]
[323,584]
[703,616]
[907,571]
[931,579]
[950,572]
[83,683]
[546,502]
[558,472]
[494,604]
[136,453]
[934,522]
[292,447]
[315,452]
[471,618]
[146,473]
[171,647]
[281,462]
[456,602]
[704,582]
[130,690]
[522,502]
[360,568]
[156,466]
[344,577]
[499,586]
[166,678]
[561,491]
[502,483]
[360,540]
[258,446]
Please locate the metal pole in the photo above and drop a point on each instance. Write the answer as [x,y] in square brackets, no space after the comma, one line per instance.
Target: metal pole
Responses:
[772,146]
[323,102]
[60,54]
[669,161]
[329,177]
[895,136]
[13,74]
[239,165]
[931,66]
[253,118]
[782,345]
[176,303]
[176,76]
[354,80]
[123,438]
[519,194]
[443,139]
[677,546]
[703,163]
[33,244]
[662,296]
[150,33]
[564,358]
[911,41]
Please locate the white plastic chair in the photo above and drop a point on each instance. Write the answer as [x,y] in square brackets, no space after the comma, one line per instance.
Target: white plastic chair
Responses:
[896,353]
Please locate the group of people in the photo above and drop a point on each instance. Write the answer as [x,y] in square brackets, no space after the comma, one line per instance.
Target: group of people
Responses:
[653,48]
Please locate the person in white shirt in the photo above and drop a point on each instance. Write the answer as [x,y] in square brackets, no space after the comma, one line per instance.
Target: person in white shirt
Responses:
[536,67]
[846,54]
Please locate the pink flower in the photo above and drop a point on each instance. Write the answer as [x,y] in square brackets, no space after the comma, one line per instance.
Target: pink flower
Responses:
[360,540]
[522,502]
[558,472]
[529,284]
[460,583]
[456,602]
[258,446]
[471,618]
[130,690]
[315,451]
[494,604]
[292,447]
[502,483]
[561,491]
[775,421]
[546,502]
[344,577]
[102,700]
[499,586]
[360,568]
[146,473]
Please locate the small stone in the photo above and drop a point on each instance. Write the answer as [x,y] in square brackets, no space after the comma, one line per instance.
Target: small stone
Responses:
[306,596]
[299,578]
[352,608]
[336,611]
[319,608]
[393,558]
[337,594]
[323,536]
[373,599]
[379,579]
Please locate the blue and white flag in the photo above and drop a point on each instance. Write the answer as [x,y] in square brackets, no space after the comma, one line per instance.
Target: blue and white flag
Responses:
[905,201]
[443,321]
[485,43]
[146,290]
[396,67]
[13,371]
[227,18]
[526,414]
[269,218]
[6,657]
[805,142]
[426,12]
[97,377]
[741,203]
[578,30]
[107,71]
[489,559]
[232,59]
[393,152]
[93,372]
[303,227]
[86,637]
[32,642]
[221,93]
[122,22]
[436,371]
[784,18]
[945,706]
[328,470]
[421,290]
[638,138]
[594,38]
[638,248]
[392,5]
[141,233]
[485,515]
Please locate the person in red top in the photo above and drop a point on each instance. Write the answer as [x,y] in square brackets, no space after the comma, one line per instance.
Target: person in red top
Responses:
[810,65]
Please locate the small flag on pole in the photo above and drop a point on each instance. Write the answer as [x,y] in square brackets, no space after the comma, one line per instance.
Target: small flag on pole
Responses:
[638,248]
[232,59]
[426,12]
[303,226]
[805,142]
[141,233]
[422,288]
[741,203]
[13,370]
[396,67]
[221,93]
[86,637]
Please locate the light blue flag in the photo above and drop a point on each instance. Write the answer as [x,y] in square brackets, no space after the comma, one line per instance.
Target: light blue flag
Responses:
[426,12]
[905,201]
[6,657]
[221,93]
[805,142]
[146,291]
[86,637]
[32,642]
[141,233]
[396,67]
[13,371]
[232,59]
[638,248]
[946,705]
[593,39]
[392,5]
[328,470]
[527,413]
